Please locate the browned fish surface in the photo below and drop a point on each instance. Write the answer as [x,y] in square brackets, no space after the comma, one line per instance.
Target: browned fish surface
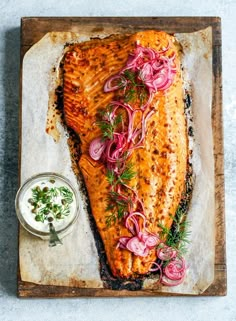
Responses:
[160,165]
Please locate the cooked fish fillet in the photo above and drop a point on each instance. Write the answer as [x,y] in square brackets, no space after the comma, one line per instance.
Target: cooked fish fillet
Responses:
[160,165]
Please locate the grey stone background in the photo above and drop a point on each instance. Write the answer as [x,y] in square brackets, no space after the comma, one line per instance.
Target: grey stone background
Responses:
[152,309]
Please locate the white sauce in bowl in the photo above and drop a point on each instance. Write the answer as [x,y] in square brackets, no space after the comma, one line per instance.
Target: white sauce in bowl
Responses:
[25,205]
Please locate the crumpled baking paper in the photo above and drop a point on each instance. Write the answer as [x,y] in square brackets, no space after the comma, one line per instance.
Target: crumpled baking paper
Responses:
[76,262]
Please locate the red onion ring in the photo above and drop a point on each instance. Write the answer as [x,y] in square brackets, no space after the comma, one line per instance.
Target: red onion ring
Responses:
[150,64]
[166,253]
[96,148]
[151,241]
[175,269]
[157,268]
[167,282]
[132,217]
[108,87]
[174,272]
[137,247]
[123,242]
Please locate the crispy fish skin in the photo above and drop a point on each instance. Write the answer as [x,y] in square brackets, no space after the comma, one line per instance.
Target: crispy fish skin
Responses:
[160,165]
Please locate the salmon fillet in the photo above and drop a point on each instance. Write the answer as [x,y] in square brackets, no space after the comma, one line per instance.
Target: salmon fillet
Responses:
[160,165]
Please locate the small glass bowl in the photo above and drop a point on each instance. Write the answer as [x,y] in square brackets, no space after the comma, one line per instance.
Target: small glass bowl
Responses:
[27,219]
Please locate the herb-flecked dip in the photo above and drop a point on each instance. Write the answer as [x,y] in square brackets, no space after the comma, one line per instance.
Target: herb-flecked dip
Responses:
[48,201]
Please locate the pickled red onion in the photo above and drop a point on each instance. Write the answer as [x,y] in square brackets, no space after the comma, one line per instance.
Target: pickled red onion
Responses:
[166,253]
[155,269]
[167,282]
[111,87]
[174,272]
[141,242]
[115,149]
[175,269]
[137,247]
[123,242]
[96,148]
[133,218]
[151,241]
[154,69]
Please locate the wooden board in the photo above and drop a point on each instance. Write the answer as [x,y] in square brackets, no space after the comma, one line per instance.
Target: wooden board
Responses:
[34,28]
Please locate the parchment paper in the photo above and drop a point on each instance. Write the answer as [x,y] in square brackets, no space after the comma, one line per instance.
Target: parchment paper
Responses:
[76,262]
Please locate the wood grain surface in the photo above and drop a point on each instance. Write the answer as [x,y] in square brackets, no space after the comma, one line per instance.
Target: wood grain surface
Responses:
[34,28]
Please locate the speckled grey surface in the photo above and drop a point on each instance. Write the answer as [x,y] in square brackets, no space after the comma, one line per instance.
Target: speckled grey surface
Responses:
[152,309]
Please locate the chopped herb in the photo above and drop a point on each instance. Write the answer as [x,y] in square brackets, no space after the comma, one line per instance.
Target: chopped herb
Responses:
[39,218]
[44,203]
[66,193]
[110,219]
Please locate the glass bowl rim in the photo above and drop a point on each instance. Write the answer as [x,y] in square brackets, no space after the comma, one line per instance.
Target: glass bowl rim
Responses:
[23,188]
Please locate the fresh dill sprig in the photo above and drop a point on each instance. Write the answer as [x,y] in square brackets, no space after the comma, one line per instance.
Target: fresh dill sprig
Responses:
[130,95]
[118,198]
[106,128]
[136,89]
[110,219]
[117,120]
[108,125]
[127,174]
[118,205]
[131,76]
[118,213]
[111,177]
[177,236]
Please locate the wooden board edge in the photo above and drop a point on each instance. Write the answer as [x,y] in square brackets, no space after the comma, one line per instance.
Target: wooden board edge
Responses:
[43,25]
[207,19]
[219,286]
[31,290]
